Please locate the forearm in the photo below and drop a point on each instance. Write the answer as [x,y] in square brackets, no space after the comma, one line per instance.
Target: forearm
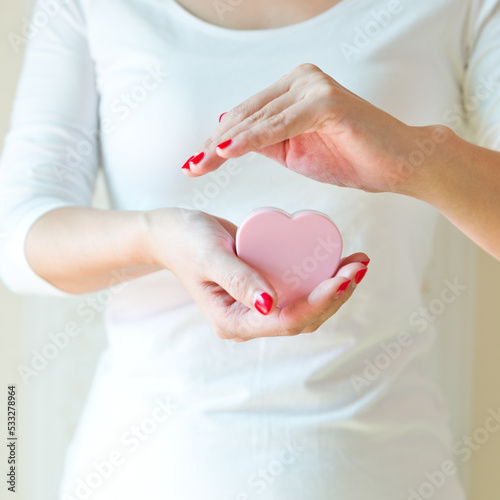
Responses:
[82,249]
[462,181]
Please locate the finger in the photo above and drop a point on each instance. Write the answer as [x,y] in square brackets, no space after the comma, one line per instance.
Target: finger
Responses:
[229,226]
[294,79]
[242,282]
[356,273]
[303,316]
[256,102]
[237,322]
[330,302]
[211,158]
[227,143]
[300,117]
[355,257]
[323,295]
[353,273]
[274,107]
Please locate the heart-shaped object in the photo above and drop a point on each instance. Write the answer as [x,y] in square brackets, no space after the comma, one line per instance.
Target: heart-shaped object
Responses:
[294,252]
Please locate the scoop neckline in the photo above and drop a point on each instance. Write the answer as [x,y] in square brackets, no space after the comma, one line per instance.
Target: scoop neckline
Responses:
[235,33]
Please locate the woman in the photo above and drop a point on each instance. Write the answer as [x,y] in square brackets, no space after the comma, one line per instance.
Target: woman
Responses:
[175,411]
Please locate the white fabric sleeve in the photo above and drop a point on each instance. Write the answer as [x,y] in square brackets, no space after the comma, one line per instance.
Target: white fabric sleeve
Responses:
[50,154]
[481,90]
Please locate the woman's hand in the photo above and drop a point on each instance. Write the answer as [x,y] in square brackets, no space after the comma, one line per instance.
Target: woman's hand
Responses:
[239,302]
[310,124]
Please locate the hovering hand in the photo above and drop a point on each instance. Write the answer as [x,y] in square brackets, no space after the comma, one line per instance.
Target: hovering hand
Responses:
[309,123]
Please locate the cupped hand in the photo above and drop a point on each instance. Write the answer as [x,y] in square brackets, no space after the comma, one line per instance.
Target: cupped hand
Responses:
[239,302]
[309,123]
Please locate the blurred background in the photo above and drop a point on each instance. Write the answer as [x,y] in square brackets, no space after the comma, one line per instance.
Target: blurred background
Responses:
[50,402]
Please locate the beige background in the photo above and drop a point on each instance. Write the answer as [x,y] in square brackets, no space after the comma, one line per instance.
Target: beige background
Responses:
[485,477]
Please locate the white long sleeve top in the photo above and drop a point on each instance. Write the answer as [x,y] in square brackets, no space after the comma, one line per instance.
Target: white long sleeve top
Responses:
[133,87]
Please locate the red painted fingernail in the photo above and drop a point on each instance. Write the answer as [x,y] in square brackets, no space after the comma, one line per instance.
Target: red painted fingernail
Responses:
[196,159]
[360,275]
[225,144]
[220,117]
[342,288]
[264,303]
[365,262]
[186,165]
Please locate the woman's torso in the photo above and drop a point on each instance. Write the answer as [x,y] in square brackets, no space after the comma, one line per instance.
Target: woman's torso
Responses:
[346,412]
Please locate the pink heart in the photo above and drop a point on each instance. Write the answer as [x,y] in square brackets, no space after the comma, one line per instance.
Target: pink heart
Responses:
[294,252]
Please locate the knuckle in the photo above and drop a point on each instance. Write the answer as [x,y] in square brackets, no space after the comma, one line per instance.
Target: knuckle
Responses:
[206,145]
[264,134]
[312,328]
[255,117]
[252,137]
[324,88]
[221,332]
[278,121]
[306,68]
[240,111]
[441,133]
[234,283]
[240,339]
[328,90]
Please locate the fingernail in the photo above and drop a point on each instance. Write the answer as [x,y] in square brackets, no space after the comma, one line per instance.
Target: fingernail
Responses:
[360,275]
[225,144]
[220,117]
[264,303]
[342,288]
[186,165]
[196,159]
[365,262]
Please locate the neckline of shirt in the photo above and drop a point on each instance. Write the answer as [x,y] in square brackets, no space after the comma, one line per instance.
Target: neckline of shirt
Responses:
[214,29]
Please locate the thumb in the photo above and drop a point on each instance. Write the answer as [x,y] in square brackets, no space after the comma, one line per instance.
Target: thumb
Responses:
[243,282]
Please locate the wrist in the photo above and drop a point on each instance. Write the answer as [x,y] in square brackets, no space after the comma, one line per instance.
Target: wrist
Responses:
[157,228]
[426,165]
[143,247]
[148,240]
